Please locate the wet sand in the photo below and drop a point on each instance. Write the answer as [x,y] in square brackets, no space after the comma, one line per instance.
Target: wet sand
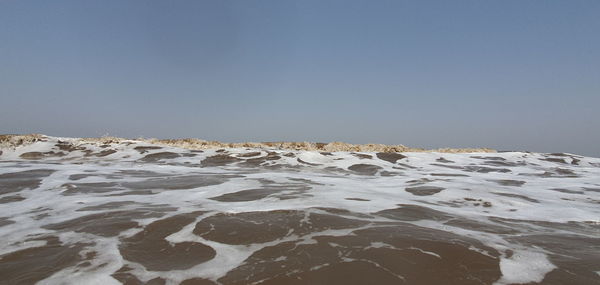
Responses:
[134,212]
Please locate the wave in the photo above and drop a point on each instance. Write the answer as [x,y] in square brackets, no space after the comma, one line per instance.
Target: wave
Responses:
[111,211]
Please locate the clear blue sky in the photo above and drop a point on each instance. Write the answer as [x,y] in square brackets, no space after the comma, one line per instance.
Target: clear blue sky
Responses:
[512,75]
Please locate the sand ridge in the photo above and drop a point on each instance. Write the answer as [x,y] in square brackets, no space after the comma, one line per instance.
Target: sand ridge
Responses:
[11,141]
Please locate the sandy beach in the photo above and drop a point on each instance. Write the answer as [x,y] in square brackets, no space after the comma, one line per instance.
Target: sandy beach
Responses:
[117,211]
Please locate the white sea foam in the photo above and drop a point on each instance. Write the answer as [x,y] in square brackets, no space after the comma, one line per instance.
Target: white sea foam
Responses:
[552,192]
[524,267]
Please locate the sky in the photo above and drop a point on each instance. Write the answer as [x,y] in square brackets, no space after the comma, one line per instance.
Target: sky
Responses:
[510,75]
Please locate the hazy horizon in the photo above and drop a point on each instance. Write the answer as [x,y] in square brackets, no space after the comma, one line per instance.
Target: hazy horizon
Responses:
[510,75]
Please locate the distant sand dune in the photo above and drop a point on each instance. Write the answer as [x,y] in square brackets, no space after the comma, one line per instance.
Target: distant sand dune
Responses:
[16,140]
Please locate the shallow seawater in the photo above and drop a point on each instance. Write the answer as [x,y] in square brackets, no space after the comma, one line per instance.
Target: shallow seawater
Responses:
[134,213]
